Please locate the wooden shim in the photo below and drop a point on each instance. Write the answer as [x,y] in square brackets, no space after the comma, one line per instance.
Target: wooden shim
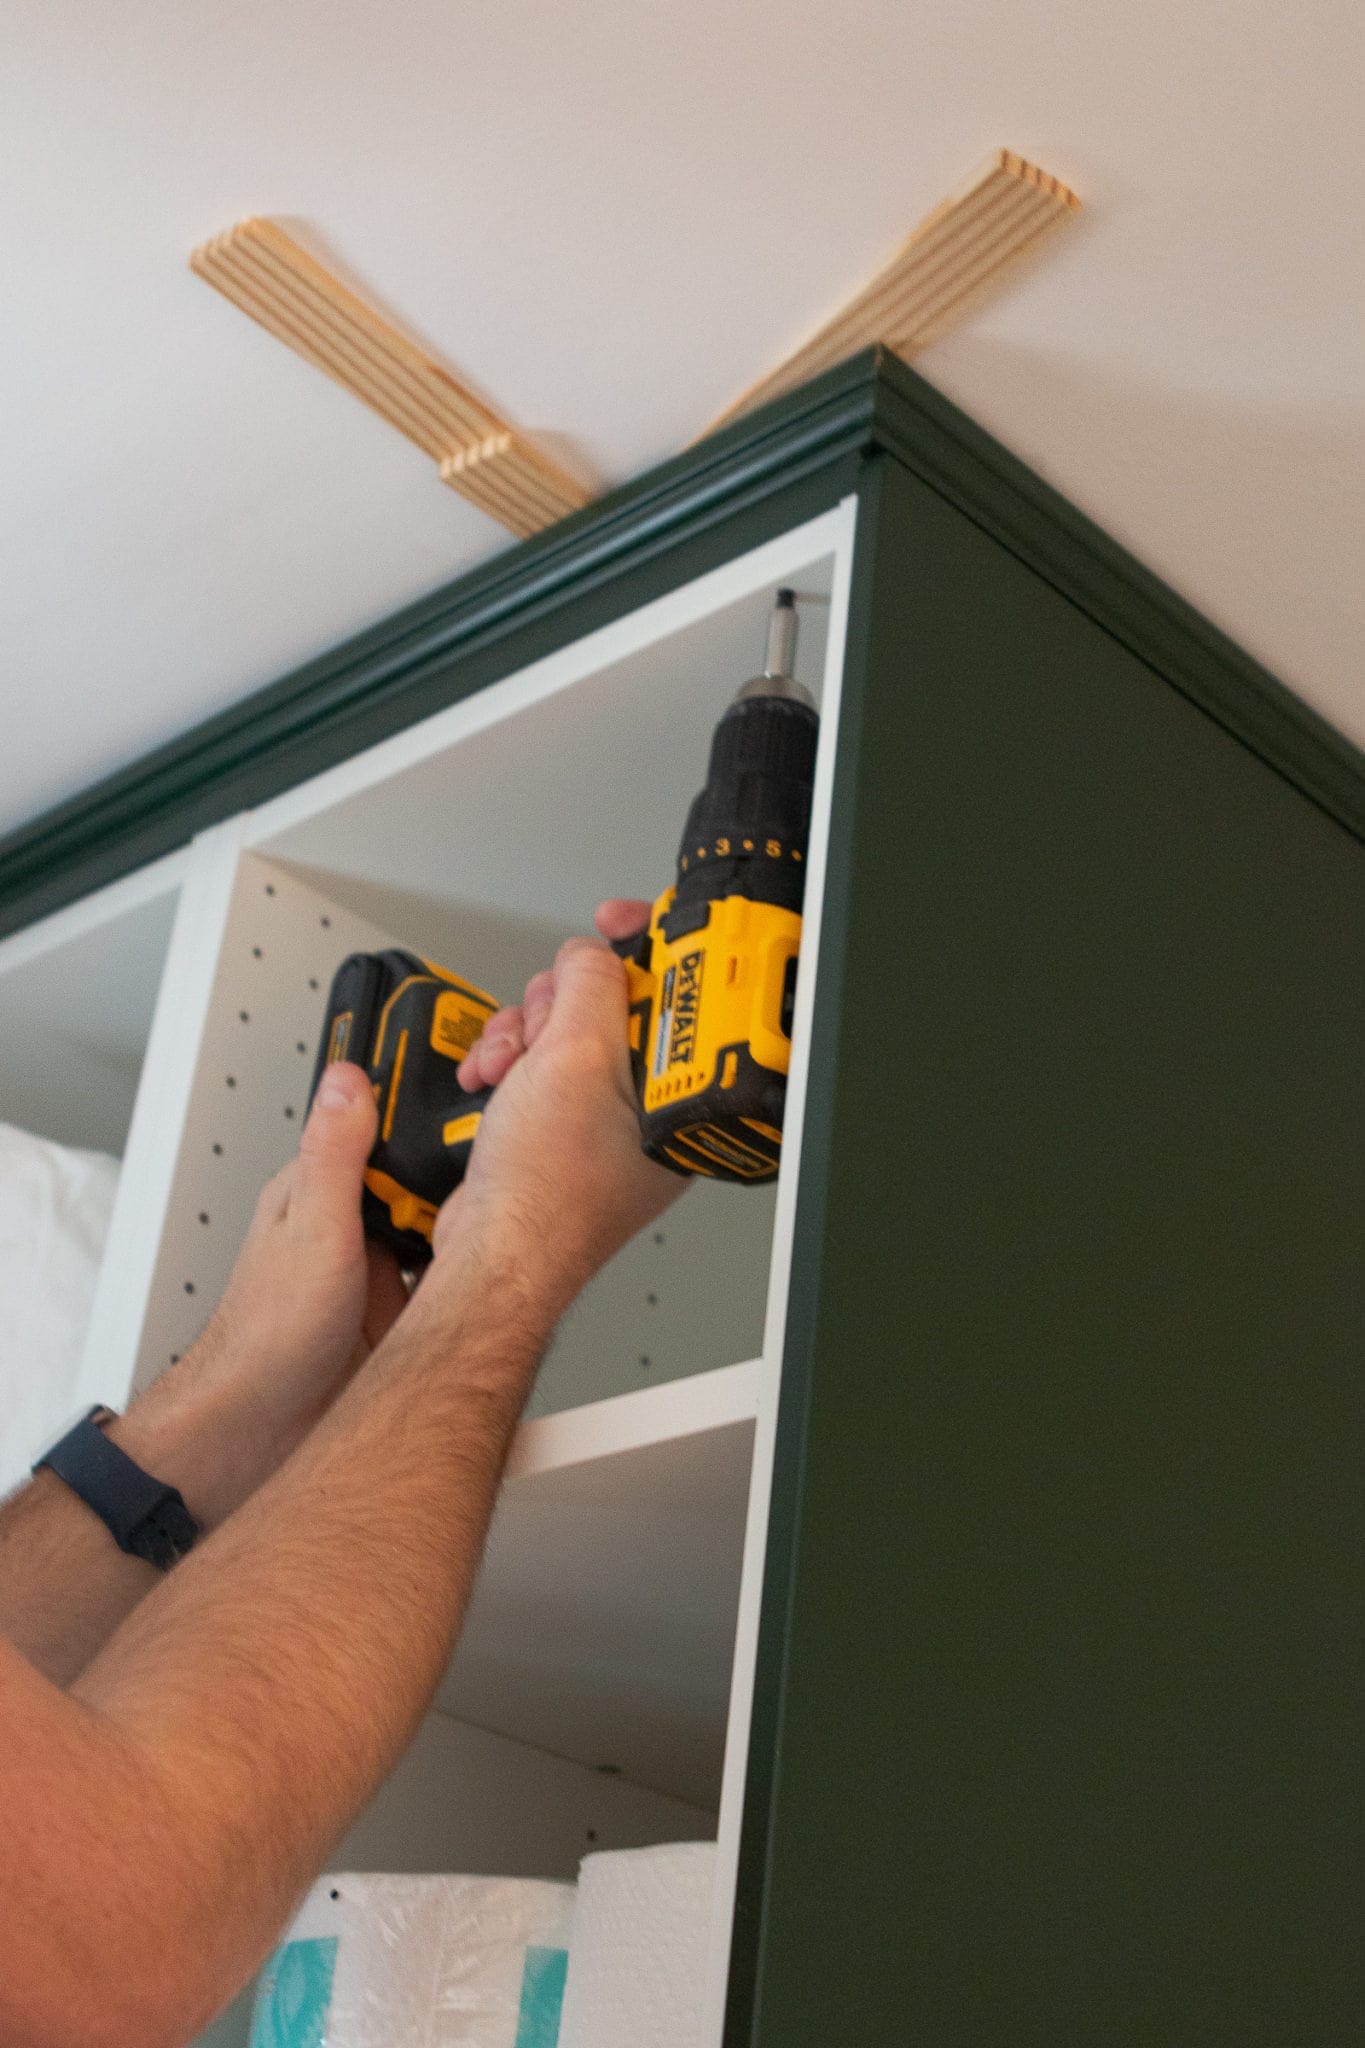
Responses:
[958,254]
[265,272]
[512,481]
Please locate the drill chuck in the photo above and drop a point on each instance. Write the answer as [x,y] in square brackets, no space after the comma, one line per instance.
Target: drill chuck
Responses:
[781,656]
[749,826]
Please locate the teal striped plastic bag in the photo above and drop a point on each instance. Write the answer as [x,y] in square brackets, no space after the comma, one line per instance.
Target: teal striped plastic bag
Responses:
[447,1962]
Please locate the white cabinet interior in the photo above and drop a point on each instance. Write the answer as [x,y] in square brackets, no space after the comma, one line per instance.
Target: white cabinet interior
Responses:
[601,1693]
[282,940]
[77,996]
[80,1000]
[603,1624]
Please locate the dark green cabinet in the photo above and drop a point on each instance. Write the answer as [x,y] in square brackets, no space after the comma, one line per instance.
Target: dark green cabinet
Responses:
[1060,1594]
[1053,1731]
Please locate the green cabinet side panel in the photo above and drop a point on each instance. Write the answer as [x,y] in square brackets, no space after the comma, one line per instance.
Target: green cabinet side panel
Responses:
[1055,1738]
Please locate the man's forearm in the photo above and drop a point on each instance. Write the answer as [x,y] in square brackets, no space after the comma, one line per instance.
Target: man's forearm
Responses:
[64,1585]
[163,1815]
[269,1684]
[307,1297]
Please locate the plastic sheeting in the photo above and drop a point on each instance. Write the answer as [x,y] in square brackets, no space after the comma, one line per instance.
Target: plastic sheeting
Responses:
[437,1962]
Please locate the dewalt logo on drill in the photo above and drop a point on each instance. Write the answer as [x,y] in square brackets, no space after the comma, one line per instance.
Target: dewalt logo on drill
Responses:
[682,1038]
[675,1035]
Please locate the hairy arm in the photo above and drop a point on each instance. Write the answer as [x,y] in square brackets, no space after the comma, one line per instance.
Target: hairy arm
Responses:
[214,1751]
[307,1300]
[165,1814]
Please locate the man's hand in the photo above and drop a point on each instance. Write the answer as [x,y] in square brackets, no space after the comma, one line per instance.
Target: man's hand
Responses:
[557,1179]
[307,1288]
[307,1301]
[309,1298]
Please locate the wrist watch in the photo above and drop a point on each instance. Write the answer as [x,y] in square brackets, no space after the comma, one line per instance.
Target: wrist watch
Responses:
[145,1517]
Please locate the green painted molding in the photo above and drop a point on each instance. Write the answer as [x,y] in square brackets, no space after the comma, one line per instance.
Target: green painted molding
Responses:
[757,477]
[763,473]
[948,451]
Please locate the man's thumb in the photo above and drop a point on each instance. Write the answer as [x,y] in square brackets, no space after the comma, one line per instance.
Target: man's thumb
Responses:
[336,1142]
[589,990]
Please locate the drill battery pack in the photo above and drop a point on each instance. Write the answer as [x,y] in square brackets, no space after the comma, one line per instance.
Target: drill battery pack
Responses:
[408,1024]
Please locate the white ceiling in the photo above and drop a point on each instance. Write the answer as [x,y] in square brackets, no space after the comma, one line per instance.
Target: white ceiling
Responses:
[612,217]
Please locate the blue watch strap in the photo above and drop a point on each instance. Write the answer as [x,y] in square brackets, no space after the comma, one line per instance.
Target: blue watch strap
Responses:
[144,1516]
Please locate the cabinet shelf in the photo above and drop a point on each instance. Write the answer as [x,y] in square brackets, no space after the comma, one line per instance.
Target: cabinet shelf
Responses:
[603,1624]
[714,1400]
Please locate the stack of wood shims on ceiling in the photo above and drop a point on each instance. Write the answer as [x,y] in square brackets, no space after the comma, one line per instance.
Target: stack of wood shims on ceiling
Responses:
[963,250]
[263,270]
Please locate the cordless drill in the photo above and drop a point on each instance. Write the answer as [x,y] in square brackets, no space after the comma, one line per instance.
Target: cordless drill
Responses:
[712,979]
[710,986]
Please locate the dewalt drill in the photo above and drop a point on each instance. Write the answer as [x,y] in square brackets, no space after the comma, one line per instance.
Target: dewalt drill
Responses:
[711,983]
[712,979]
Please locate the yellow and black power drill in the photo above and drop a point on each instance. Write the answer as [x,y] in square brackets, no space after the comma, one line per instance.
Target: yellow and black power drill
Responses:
[711,983]
[712,979]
